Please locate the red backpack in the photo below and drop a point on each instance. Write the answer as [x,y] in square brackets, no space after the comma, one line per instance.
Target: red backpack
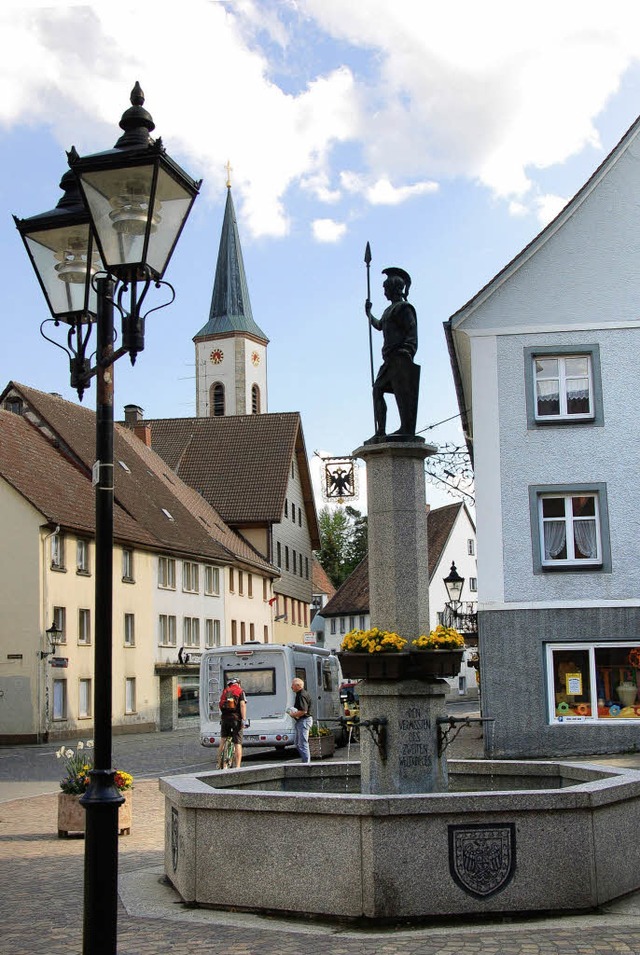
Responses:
[230,699]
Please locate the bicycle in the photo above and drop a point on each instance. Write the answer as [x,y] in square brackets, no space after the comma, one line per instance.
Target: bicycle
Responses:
[227,755]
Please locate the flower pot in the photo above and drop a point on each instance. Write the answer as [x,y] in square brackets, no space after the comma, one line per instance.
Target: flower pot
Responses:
[321,746]
[71,814]
[627,693]
[374,666]
[437,664]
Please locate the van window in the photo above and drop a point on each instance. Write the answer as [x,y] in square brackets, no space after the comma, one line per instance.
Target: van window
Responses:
[327,677]
[260,682]
[301,674]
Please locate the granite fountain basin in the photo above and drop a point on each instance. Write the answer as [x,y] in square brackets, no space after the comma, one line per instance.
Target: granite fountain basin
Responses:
[508,837]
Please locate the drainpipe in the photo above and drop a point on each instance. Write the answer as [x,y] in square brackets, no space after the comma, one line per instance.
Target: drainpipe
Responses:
[43,716]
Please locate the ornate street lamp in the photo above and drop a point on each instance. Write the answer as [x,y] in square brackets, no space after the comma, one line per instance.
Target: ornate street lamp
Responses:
[123,211]
[454,584]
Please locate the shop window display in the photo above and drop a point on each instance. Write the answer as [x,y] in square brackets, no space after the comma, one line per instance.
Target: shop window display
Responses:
[594,682]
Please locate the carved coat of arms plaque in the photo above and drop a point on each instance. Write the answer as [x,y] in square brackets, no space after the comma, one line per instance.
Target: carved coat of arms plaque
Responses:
[482,859]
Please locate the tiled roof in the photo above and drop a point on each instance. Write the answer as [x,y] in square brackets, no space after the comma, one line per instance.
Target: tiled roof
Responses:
[230,306]
[320,579]
[240,464]
[153,507]
[353,596]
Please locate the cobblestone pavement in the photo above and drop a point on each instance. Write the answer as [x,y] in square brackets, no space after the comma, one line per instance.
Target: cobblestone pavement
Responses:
[41,880]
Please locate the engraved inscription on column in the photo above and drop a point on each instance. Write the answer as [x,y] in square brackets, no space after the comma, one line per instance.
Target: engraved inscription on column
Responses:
[415,743]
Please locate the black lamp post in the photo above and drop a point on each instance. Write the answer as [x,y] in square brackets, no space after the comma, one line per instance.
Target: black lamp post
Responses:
[109,238]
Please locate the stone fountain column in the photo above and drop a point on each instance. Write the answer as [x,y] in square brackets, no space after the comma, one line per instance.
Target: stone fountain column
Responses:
[399,601]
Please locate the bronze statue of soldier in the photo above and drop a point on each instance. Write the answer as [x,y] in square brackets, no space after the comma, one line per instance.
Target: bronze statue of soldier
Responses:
[398,374]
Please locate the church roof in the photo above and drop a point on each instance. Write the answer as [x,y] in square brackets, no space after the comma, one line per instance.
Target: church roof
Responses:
[230,310]
[240,464]
[47,453]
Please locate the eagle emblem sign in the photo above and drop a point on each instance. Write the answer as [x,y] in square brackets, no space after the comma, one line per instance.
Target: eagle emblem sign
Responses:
[482,859]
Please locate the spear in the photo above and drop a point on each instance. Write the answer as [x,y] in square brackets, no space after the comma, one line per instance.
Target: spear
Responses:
[367,259]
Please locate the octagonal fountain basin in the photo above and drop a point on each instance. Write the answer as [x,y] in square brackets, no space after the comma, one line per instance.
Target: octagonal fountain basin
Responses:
[509,837]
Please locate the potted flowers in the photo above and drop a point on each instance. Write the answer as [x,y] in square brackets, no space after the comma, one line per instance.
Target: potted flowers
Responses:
[321,742]
[438,653]
[373,654]
[78,764]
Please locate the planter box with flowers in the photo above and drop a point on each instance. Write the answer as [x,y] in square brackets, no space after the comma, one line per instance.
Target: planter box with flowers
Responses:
[322,742]
[71,813]
[381,655]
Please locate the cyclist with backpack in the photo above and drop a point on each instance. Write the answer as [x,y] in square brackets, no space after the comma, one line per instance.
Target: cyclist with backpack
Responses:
[233,713]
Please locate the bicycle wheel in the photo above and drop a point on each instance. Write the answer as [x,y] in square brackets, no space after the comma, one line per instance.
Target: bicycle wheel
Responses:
[228,753]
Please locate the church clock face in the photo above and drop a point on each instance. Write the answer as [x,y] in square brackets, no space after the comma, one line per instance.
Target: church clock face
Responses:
[255,358]
[216,356]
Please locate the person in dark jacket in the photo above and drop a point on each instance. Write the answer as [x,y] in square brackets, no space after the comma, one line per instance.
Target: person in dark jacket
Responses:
[301,712]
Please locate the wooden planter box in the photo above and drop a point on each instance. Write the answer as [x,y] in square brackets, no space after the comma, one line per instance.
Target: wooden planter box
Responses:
[407,665]
[321,746]
[71,814]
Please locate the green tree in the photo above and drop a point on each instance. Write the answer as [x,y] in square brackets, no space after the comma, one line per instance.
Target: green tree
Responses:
[343,541]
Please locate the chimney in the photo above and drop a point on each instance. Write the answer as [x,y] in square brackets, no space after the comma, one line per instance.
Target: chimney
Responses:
[143,431]
[133,414]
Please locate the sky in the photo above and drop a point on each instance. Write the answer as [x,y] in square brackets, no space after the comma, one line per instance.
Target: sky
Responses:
[445,135]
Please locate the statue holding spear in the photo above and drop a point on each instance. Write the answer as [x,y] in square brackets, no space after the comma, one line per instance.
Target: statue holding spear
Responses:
[398,374]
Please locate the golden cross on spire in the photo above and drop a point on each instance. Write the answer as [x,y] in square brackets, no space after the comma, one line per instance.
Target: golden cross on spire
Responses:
[228,167]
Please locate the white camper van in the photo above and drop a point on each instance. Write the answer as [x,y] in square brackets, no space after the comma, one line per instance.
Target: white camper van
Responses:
[265,672]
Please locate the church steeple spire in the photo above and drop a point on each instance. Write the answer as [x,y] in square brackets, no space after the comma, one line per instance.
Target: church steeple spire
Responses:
[231,349]
[230,309]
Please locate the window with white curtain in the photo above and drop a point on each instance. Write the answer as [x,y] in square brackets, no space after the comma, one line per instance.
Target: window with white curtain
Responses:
[563,386]
[59,700]
[84,699]
[569,529]
[130,694]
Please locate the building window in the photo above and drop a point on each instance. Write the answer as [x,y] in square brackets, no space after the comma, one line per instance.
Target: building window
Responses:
[84,699]
[129,630]
[234,633]
[593,682]
[570,529]
[563,385]
[361,622]
[343,626]
[306,615]
[212,581]
[471,547]
[13,404]
[249,585]
[286,507]
[60,621]
[265,633]
[352,623]
[82,557]
[255,399]
[333,625]
[300,564]
[167,630]
[252,631]
[190,580]
[279,555]
[217,400]
[191,632]
[473,584]
[293,611]
[286,557]
[241,583]
[212,633]
[306,567]
[57,552]
[84,627]
[59,708]
[130,694]
[232,584]
[243,631]
[167,573]
[265,589]
[299,517]
[127,565]
[293,512]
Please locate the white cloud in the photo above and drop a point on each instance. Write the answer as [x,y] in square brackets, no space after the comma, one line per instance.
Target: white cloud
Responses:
[548,207]
[412,94]
[328,230]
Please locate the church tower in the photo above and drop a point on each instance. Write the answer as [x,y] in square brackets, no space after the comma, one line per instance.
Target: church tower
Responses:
[231,350]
